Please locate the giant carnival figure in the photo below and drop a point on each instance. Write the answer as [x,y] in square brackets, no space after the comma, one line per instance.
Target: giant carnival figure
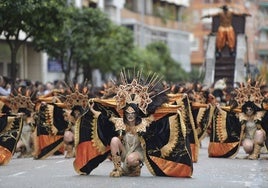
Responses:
[136,126]
[225,33]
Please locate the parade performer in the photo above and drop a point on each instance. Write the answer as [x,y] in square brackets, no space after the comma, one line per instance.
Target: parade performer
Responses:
[202,106]
[55,120]
[12,112]
[135,127]
[75,103]
[251,118]
[241,124]
[50,125]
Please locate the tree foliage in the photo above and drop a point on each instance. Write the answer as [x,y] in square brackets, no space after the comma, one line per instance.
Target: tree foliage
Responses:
[114,49]
[81,39]
[22,19]
[87,40]
[156,58]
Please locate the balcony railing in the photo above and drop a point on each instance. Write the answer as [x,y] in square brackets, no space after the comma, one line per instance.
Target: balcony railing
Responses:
[262,46]
[153,21]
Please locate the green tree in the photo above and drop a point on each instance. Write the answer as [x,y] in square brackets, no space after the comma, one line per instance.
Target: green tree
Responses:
[164,63]
[90,26]
[22,19]
[156,58]
[86,41]
[100,43]
[114,49]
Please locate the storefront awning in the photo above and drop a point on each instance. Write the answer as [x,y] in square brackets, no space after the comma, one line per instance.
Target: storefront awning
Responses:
[178,2]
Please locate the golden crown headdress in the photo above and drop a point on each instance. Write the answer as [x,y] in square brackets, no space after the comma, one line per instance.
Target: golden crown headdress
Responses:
[109,90]
[21,98]
[248,92]
[77,96]
[137,91]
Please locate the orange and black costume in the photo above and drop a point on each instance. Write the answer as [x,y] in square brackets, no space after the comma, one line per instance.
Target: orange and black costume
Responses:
[10,131]
[165,142]
[49,130]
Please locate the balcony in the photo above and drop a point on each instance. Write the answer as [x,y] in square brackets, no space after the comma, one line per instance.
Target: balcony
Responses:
[262,48]
[153,21]
[263,3]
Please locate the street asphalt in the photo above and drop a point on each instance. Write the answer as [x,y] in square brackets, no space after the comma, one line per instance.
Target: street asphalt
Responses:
[57,172]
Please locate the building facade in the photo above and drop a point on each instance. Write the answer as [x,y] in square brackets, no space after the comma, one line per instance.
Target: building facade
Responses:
[175,22]
[150,20]
[261,41]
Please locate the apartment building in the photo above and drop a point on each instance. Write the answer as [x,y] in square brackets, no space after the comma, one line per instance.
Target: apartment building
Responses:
[261,41]
[150,20]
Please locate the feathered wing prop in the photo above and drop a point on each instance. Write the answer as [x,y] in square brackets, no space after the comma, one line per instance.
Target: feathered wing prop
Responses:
[225,134]
[92,138]
[191,129]
[50,127]
[167,144]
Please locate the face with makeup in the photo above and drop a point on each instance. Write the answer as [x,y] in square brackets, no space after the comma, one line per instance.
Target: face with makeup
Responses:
[249,111]
[130,114]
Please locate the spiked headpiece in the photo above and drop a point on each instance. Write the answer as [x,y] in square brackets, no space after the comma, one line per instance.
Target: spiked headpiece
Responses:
[249,93]
[136,90]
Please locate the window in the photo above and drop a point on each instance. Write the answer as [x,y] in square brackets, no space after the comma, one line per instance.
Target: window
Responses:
[53,65]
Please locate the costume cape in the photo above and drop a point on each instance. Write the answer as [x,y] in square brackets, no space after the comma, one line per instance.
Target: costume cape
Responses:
[186,111]
[165,142]
[225,134]
[264,124]
[47,143]
[10,131]
[202,117]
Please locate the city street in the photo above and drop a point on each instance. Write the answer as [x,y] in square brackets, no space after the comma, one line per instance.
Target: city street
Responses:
[56,171]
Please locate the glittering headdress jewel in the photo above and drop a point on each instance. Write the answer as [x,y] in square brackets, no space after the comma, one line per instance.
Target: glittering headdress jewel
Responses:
[137,91]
